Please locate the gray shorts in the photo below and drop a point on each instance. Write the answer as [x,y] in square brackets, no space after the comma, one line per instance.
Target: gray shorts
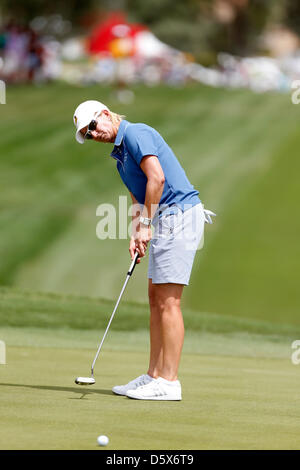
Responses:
[177,236]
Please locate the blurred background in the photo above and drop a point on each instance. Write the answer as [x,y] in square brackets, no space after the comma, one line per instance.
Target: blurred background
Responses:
[214,78]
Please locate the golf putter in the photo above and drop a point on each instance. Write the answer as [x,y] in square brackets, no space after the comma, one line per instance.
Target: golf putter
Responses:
[91,380]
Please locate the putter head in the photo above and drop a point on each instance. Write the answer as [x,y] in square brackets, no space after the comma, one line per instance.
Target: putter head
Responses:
[85,380]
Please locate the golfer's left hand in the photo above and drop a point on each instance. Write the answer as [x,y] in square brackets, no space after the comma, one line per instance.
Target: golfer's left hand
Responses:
[142,237]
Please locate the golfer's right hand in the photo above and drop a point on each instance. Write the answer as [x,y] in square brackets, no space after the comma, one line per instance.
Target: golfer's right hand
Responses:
[132,249]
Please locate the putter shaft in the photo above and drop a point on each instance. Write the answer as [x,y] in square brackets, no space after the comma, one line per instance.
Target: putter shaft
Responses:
[130,271]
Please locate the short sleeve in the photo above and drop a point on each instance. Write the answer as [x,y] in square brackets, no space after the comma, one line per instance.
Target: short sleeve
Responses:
[140,141]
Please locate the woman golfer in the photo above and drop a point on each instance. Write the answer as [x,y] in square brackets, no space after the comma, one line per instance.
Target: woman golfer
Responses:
[166,199]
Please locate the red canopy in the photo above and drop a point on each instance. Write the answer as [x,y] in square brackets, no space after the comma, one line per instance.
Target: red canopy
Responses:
[115,27]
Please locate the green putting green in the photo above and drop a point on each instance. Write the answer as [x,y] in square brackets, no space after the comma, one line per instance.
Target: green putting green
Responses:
[239,392]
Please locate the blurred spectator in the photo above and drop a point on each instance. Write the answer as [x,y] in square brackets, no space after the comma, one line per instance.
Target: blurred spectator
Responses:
[26,55]
[34,56]
[121,54]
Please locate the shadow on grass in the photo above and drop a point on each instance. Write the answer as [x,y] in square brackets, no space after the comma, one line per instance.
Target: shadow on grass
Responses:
[78,389]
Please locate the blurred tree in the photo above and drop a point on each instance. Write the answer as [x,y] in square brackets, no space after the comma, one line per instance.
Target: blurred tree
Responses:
[240,24]
[183,24]
[202,27]
[156,10]
[292,15]
[206,27]
[25,11]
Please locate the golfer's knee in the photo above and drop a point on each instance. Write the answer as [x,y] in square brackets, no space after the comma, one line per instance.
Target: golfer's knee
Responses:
[160,302]
[167,305]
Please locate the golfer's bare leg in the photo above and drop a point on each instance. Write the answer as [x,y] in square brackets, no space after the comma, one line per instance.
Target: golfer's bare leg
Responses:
[156,352]
[168,327]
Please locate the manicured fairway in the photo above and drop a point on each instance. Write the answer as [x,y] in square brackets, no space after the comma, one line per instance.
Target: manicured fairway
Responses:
[239,149]
[242,394]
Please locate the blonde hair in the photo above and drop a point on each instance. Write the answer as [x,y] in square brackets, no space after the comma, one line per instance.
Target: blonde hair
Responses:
[116,118]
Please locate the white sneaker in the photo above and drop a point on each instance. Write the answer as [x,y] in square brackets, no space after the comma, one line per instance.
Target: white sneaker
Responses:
[157,389]
[141,380]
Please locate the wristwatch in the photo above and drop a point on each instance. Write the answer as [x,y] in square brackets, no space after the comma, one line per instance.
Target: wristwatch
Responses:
[145,221]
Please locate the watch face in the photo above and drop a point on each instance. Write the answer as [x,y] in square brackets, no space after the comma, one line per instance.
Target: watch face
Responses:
[145,221]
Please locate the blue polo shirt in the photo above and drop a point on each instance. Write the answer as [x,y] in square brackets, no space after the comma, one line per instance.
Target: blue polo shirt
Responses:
[133,142]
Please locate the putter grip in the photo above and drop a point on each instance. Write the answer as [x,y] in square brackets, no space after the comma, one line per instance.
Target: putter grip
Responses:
[132,266]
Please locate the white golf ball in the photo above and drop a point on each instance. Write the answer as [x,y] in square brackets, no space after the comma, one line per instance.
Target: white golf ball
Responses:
[102,440]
